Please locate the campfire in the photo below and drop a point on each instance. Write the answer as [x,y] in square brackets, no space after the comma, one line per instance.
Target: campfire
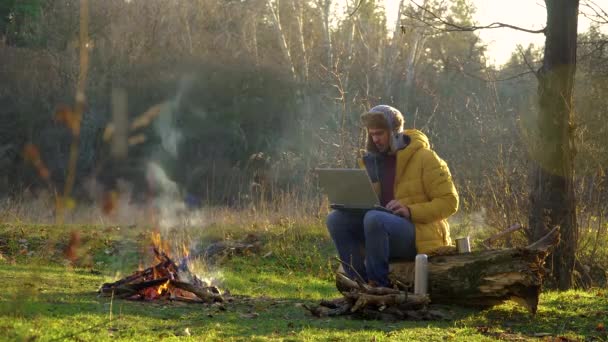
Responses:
[167,280]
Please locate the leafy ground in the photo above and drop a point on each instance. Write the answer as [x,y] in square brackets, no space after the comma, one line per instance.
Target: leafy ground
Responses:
[46,297]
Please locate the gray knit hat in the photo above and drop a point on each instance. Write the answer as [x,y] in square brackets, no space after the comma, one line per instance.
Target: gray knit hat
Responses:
[383,116]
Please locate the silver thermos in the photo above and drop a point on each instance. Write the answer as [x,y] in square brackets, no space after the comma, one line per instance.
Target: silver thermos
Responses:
[421,274]
[463,245]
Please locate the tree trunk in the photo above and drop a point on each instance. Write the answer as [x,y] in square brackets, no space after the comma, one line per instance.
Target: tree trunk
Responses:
[552,196]
[325,7]
[276,18]
[298,11]
[484,279]
[393,53]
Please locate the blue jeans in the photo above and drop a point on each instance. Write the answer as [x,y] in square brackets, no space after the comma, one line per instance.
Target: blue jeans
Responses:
[366,241]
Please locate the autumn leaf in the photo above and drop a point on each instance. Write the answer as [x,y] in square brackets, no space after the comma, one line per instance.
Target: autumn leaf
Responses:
[108,132]
[109,202]
[136,139]
[69,118]
[43,172]
[146,118]
[71,250]
[31,153]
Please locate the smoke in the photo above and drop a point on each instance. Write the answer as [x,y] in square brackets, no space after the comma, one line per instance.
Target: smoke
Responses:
[166,201]
[468,223]
[169,135]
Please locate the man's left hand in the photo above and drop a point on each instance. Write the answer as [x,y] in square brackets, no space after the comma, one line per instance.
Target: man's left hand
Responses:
[398,208]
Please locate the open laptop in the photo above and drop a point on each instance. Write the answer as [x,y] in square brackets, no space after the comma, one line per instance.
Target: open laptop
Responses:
[349,189]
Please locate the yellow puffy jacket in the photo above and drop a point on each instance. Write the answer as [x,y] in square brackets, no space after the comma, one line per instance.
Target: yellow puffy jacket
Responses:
[424,184]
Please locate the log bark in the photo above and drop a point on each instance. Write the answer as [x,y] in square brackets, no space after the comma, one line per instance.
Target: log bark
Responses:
[485,278]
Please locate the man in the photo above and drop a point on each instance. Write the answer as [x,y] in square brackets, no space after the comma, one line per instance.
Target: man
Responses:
[410,180]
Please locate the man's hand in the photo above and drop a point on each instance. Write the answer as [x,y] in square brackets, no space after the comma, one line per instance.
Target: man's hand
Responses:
[398,208]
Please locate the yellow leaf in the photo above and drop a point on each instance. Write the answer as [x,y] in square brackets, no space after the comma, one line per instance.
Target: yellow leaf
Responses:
[136,139]
[107,133]
[69,203]
[146,118]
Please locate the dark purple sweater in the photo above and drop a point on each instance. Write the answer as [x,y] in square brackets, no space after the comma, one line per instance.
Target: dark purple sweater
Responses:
[388,179]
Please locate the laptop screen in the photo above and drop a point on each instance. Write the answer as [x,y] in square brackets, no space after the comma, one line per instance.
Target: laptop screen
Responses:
[350,188]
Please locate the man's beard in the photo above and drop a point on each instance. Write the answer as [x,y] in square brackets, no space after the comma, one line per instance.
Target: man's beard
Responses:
[382,148]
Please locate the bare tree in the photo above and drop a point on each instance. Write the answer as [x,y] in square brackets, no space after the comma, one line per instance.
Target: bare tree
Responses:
[552,197]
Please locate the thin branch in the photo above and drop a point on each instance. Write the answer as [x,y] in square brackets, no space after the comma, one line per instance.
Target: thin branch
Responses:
[466,73]
[452,27]
[528,64]
[598,12]
[356,8]
[598,46]
[345,264]
[500,79]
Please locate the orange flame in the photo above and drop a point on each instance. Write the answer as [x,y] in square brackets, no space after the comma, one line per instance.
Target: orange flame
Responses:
[185,250]
[156,239]
[159,243]
[162,288]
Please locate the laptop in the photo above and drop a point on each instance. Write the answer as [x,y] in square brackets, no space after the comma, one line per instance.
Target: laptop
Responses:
[349,189]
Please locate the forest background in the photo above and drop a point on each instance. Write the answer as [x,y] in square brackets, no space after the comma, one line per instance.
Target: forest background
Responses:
[235,103]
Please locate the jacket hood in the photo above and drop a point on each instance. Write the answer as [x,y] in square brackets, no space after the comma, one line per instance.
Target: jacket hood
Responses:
[417,139]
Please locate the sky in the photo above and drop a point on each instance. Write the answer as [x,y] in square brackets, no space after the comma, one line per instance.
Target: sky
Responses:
[530,14]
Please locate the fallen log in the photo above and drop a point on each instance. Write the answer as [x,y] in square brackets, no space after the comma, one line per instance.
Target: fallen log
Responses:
[221,250]
[486,278]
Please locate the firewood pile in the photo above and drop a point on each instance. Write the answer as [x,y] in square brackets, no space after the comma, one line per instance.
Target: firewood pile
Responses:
[166,280]
[363,301]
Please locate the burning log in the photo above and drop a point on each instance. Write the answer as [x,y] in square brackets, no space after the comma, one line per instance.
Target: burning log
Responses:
[208,294]
[166,280]
[126,290]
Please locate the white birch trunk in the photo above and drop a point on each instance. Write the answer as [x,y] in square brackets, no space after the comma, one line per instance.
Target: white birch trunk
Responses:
[299,13]
[325,6]
[281,36]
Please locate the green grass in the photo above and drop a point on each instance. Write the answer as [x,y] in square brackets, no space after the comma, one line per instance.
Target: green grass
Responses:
[45,299]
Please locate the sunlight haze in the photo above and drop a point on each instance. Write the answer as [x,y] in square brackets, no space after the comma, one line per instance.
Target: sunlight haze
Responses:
[529,14]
